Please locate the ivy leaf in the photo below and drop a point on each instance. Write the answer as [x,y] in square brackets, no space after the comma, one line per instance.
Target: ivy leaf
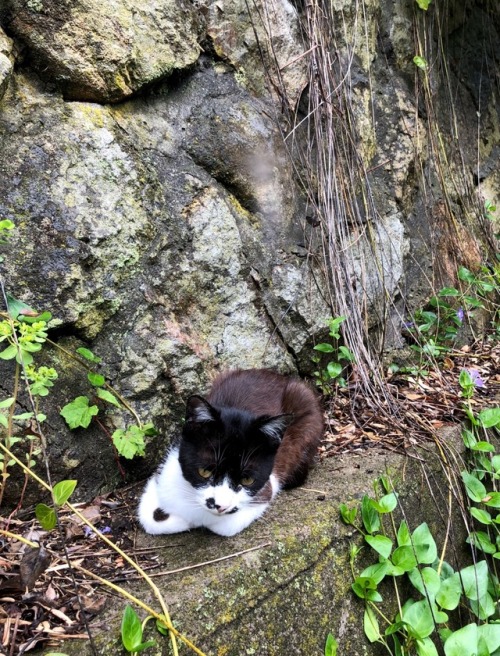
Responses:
[63,490]
[386,504]
[424,545]
[78,413]
[474,488]
[370,517]
[423,4]
[475,580]
[88,355]
[96,379]
[418,619]
[380,543]
[481,541]
[46,516]
[129,443]
[107,396]
[449,593]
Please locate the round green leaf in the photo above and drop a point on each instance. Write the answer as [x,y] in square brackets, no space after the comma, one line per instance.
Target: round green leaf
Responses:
[380,543]
[474,488]
[449,593]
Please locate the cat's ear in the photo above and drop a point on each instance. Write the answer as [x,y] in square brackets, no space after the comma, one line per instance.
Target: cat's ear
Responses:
[199,411]
[274,427]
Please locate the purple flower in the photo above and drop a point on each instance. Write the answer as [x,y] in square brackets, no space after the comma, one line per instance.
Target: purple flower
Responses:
[87,531]
[477,381]
[460,314]
[106,529]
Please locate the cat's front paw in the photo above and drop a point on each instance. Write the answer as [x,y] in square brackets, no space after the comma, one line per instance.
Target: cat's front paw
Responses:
[163,523]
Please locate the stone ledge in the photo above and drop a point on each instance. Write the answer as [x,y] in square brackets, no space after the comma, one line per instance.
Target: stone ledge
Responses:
[288,593]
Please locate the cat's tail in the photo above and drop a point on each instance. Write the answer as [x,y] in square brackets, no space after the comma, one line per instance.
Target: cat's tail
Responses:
[153,520]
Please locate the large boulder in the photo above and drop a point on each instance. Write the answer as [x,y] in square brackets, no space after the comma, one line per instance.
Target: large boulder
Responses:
[105,50]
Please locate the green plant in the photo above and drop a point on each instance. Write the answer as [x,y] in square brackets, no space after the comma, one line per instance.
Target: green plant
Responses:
[129,442]
[333,372]
[331,646]
[435,328]
[424,620]
[132,630]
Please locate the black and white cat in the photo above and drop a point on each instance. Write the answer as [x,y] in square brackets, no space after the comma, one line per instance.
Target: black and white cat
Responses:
[255,434]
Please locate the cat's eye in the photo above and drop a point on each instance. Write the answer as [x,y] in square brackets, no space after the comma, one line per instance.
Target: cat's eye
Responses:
[204,473]
[247,481]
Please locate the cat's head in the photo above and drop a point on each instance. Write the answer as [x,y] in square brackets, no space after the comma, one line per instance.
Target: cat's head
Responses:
[227,454]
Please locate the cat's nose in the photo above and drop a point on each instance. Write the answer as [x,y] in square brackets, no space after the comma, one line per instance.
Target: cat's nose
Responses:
[221,509]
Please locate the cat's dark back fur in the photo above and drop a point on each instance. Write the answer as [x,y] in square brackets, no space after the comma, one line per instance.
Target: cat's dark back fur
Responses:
[262,392]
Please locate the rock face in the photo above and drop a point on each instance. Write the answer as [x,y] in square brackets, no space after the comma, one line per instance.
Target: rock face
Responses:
[105,50]
[156,182]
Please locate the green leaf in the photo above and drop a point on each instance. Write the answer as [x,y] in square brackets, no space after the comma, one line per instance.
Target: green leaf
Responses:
[421,63]
[88,355]
[6,403]
[370,517]
[324,348]
[423,4]
[475,580]
[348,514]
[376,572]
[404,557]
[107,396]
[46,516]
[465,275]
[131,629]
[362,585]
[370,625]
[129,443]
[449,291]
[334,369]
[482,516]
[418,619]
[491,635]
[346,354]
[484,607]
[63,490]
[96,379]
[481,541]
[331,646]
[492,499]
[78,413]
[462,642]
[9,353]
[449,593]
[16,307]
[380,543]
[3,421]
[426,647]
[424,545]
[489,417]
[474,488]
[403,537]
[426,581]
[386,504]
[484,447]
